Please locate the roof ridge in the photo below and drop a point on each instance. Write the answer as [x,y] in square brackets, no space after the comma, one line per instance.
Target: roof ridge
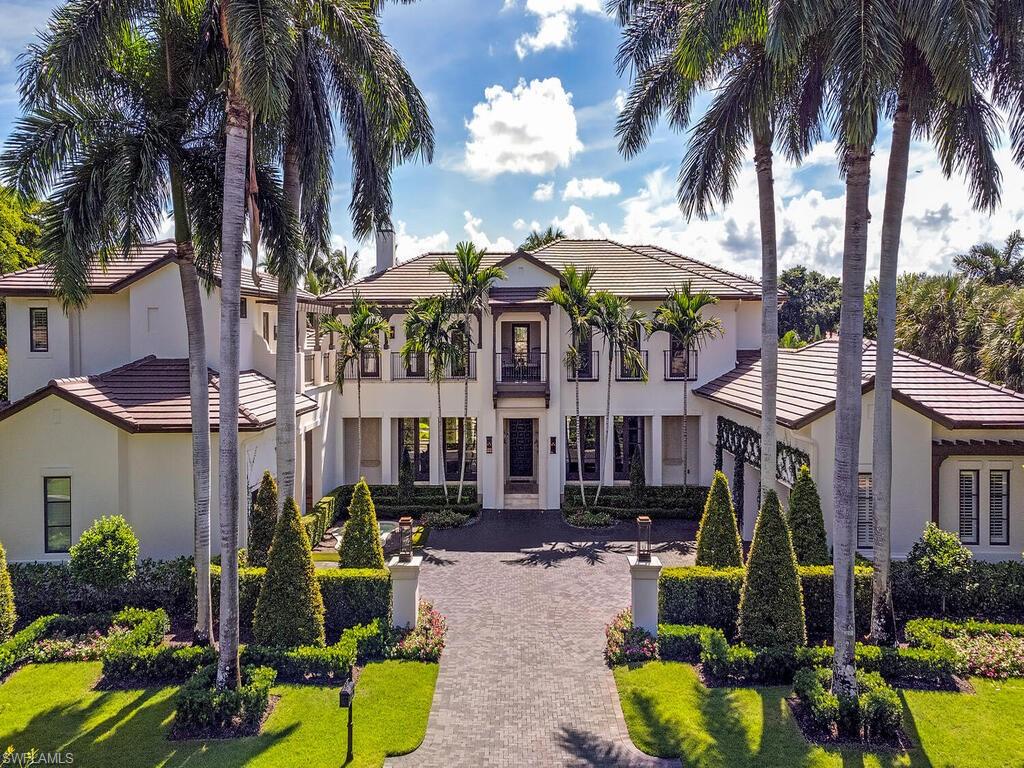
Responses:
[737,275]
[101,376]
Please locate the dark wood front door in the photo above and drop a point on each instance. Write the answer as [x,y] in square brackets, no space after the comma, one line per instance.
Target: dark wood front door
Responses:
[520,449]
[307,469]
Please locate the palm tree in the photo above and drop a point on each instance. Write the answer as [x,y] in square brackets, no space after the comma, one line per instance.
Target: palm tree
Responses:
[681,316]
[992,265]
[361,334]
[332,270]
[470,283]
[339,59]
[429,329]
[574,296]
[539,238]
[620,327]
[143,105]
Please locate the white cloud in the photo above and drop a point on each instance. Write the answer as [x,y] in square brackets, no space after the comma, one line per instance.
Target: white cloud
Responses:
[530,129]
[407,246]
[589,188]
[544,191]
[478,236]
[555,25]
[620,100]
[519,225]
[579,223]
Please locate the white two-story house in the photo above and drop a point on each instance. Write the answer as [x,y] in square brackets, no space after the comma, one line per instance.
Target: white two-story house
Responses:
[99,419]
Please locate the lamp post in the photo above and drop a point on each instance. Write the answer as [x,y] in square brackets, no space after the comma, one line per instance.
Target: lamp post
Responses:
[405,533]
[346,700]
[643,539]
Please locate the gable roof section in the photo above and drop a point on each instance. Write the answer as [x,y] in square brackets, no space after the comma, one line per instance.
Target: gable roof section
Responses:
[807,389]
[640,272]
[152,395]
[121,273]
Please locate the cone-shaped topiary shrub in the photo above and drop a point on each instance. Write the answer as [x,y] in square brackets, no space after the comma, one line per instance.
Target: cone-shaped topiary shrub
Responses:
[263,521]
[7,614]
[771,603]
[290,608]
[806,523]
[637,479]
[360,542]
[406,476]
[718,538]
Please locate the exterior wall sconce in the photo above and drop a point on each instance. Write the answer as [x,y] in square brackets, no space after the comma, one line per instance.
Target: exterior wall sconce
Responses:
[405,532]
[489,443]
[643,539]
[554,445]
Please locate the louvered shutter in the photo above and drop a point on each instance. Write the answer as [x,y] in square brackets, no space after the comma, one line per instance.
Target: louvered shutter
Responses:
[999,506]
[865,509]
[969,506]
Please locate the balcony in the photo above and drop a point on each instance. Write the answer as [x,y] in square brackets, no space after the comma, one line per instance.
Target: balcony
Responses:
[680,366]
[521,374]
[625,372]
[589,367]
[417,368]
[368,364]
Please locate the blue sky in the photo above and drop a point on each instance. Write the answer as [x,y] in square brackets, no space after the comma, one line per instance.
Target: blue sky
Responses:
[523,95]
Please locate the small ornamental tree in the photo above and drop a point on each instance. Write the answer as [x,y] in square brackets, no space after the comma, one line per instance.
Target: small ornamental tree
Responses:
[106,555]
[360,542]
[8,616]
[263,520]
[718,538]
[290,608]
[939,564]
[806,522]
[406,477]
[637,479]
[771,611]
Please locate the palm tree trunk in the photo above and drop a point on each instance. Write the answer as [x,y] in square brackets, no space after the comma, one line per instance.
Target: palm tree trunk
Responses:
[882,620]
[579,441]
[465,406]
[440,439]
[287,343]
[199,399]
[769,306]
[848,413]
[232,224]
[607,428]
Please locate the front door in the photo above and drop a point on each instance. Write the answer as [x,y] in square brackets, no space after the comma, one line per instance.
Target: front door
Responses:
[520,449]
[307,462]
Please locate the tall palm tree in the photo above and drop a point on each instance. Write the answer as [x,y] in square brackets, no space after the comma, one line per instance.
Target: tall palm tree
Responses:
[331,270]
[620,326]
[681,316]
[429,328]
[341,64]
[362,333]
[993,265]
[143,105]
[539,238]
[574,296]
[470,283]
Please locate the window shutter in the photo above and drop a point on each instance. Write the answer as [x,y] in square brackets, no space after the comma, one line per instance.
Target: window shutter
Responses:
[998,506]
[865,512]
[969,506]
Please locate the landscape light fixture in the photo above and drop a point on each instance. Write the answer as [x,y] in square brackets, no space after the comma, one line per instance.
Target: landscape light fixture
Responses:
[405,532]
[643,539]
[346,699]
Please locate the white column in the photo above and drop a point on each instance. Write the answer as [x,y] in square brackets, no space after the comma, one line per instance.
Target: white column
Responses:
[386,459]
[644,589]
[405,590]
[657,464]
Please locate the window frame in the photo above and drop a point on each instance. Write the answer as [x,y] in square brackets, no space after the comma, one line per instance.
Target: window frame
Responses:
[630,438]
[243,308]
[420,448]
[471,448]
[865,492]
[46,515]
[570,448]
[1005,541]
[32,328]
[976,496]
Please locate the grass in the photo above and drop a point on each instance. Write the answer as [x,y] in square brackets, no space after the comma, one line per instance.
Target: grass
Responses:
[53,707]
[669,713]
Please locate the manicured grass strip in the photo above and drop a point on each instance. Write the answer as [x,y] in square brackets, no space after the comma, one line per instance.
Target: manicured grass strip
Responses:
[53,707]
[669,713]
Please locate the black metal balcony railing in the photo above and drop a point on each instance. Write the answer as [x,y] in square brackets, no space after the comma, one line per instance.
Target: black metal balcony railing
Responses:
[521,367]
[589,367]
[415,368]
[456,369]
[626,372]
[308,367]
[679,366]
[369,362]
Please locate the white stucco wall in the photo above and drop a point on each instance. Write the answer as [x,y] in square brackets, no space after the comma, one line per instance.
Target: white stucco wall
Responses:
[27,370]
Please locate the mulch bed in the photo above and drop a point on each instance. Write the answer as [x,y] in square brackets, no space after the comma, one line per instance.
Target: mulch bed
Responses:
[237,732]
[829,738]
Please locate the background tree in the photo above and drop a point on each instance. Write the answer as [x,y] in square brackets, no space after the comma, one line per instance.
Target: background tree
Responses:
[681,316]
[620,326]
[574,296]
[332,270]
[539,238]
[993,265]
[812,303]
[359,335]
[806,522]
[471,281]
[19,235]
[718,537]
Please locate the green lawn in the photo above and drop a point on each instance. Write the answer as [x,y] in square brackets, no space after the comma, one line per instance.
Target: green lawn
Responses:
[670,713]
[53,707]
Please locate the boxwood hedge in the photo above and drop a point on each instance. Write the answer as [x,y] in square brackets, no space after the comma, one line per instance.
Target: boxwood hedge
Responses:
[682,502]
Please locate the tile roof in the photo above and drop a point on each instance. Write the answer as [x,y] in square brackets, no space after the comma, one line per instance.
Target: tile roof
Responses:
[642,271]
[152,395]
[122,272]
[807,389]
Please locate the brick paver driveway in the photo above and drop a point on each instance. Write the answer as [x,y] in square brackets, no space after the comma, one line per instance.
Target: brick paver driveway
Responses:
[522,681]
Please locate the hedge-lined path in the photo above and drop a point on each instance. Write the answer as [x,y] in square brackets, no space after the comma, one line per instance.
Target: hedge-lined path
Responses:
[522,680]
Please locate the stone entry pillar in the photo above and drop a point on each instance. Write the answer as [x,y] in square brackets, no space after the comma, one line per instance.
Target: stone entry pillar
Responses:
[405,591]
[644,590]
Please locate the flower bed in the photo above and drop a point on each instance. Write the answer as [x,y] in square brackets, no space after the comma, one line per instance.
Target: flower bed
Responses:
[985,649]
[626,643]
[426,641]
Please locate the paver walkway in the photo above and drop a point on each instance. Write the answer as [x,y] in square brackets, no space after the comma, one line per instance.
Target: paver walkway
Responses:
[522,680]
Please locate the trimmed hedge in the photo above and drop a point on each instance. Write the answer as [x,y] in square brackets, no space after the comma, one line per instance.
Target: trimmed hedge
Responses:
[351,596]
[391,504]
[17,649]
[8,616]
[994,592]
[203,708]
[878,710]
[681,502]
[319,520]
[711,596]
[42,589]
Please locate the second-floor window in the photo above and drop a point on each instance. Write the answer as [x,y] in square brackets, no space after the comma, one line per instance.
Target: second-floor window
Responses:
[369,363]
[266,327]
[39,329]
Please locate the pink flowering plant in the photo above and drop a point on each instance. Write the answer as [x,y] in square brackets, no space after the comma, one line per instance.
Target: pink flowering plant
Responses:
[426,641]
[995,656]
[626,643]
[88,646]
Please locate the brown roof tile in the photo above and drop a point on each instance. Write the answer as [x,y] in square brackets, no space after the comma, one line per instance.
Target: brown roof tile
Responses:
[152,395]
[807,389]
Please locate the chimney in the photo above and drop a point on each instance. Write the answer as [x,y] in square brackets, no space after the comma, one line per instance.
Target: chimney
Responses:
[385,247]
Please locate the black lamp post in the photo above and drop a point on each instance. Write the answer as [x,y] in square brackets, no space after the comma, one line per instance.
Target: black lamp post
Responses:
[643,539]
[346,700]
[405,532]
